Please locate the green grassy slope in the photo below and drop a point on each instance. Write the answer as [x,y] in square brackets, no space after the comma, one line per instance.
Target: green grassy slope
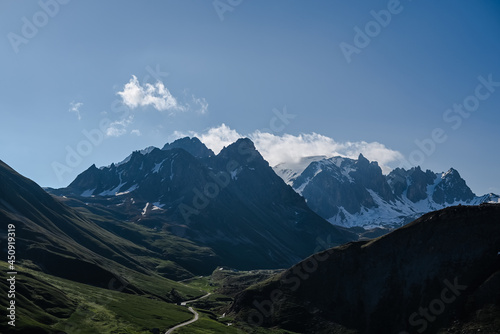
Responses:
[49,304]
[56,239]
[167,254]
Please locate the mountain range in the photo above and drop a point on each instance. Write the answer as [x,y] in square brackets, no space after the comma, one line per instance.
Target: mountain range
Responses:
[127,242]
[232,202]
[346,192]
[254,216]
[355,193]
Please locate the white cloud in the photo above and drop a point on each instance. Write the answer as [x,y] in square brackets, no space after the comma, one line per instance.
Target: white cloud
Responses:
[115,132]
[202,103]
[214,138]
[289,148]
[75,107]
[119,128]
[158,96]
[136,132]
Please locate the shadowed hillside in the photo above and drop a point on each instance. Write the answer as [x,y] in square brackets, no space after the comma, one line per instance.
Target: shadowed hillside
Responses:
[442,267]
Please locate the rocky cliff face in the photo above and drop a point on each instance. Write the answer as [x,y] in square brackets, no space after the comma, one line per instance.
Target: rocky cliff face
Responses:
[421,277]
[412,183]
[335,183]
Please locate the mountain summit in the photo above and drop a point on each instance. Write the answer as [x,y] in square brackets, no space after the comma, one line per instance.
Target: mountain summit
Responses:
[191,145]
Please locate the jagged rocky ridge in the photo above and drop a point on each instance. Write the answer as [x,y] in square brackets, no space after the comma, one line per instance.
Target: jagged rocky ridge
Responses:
[349,192]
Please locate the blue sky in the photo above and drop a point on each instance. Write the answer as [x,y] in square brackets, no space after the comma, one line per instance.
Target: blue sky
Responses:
[186,67]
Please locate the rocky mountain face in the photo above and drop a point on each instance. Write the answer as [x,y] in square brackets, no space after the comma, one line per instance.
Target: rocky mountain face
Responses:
[413,184]
[232,202]
[350,192]
[436,272]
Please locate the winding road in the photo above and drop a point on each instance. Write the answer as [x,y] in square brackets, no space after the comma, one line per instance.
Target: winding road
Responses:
[196,315]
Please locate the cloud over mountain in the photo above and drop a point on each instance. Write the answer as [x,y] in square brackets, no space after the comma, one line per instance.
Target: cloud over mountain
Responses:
[290,148]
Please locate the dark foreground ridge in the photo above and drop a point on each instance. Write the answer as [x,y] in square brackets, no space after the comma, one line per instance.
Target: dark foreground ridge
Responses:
[432,273]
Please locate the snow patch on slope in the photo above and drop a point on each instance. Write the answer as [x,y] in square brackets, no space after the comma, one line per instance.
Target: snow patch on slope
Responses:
[145,209]
[157,206]
[134,187]
[112,192]
[157,166]
[88,193]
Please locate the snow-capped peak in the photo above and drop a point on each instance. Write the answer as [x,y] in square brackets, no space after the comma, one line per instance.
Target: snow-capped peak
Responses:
[289,171]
